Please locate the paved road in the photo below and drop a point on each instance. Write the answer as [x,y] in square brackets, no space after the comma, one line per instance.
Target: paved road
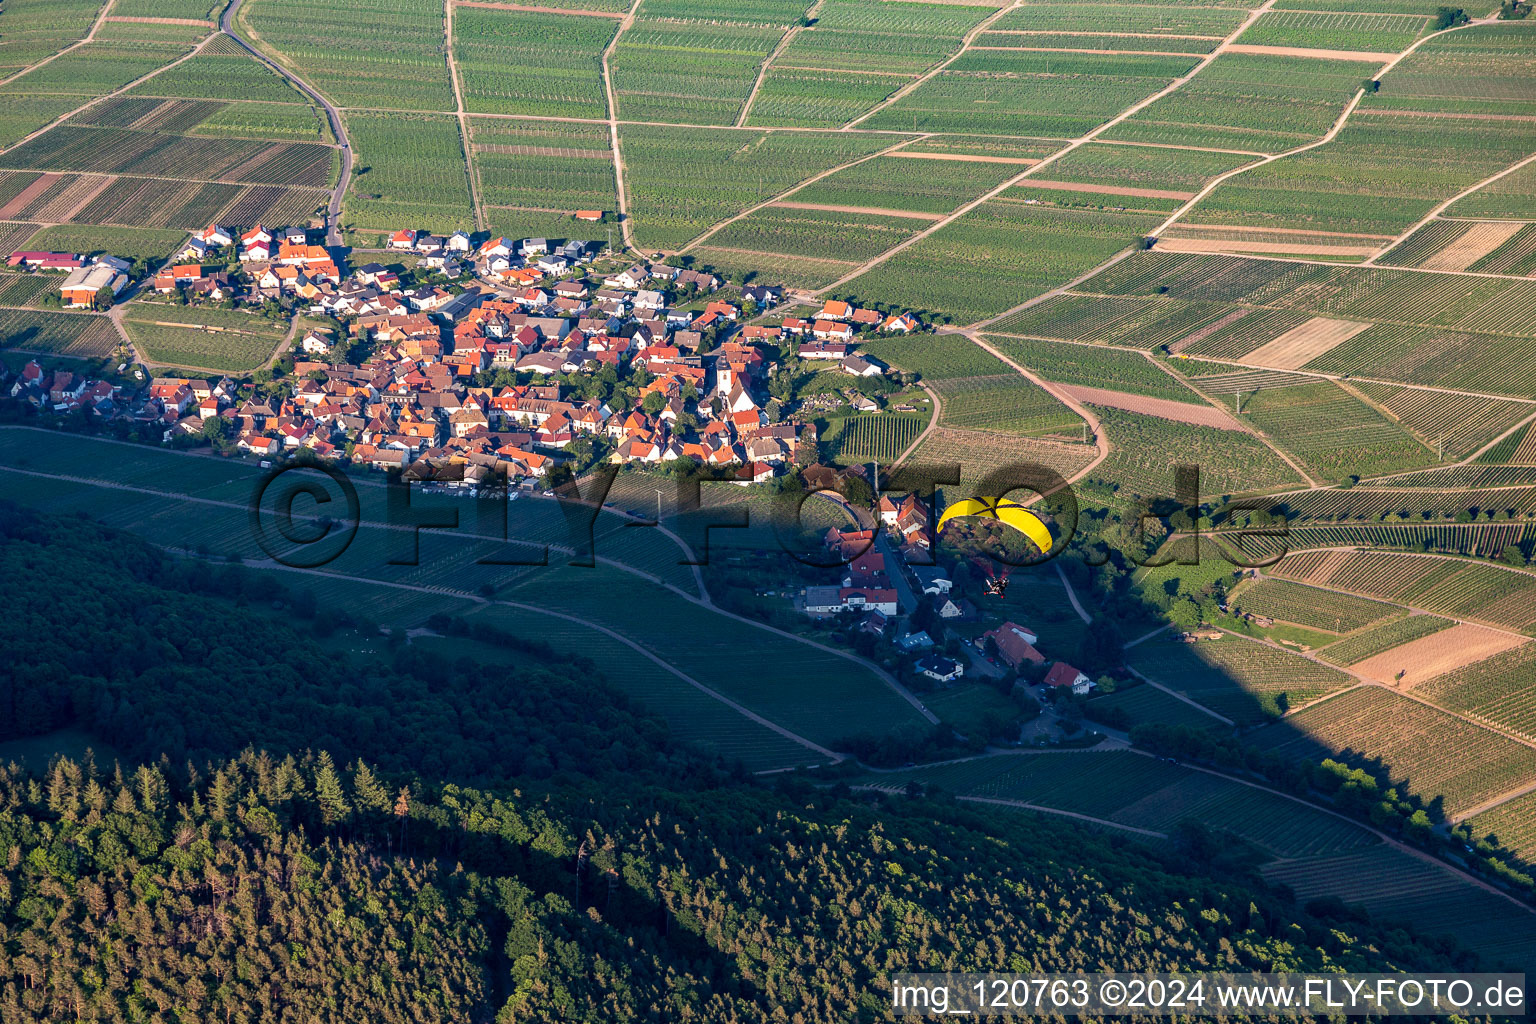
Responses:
[333,212]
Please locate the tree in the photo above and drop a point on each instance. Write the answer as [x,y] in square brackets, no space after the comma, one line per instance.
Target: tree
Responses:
[654,403]
[105,296]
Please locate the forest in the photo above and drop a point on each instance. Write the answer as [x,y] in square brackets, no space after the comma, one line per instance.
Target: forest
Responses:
[296,835]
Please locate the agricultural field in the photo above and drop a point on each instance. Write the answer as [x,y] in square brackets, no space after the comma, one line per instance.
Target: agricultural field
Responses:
[96,68]
[980,452]
[1480,591]
[1380,174]
[1511,825]
[127,243]
[212,339]
[1449,763]
[1488,247]
[558,58]
[880,436]
[1500,689]
[888,36]
[535,174]
[1241,679]
[1172,21]
[33,29]
[1002,92]
[1456,649]
[1254,103]
[1513,195]
[995,257]
[1455,425]
[1086,366]
[411,170]
[1382,638]
[978,390]
[222,71]
[1397,886]
[1482,70]
[817,98]
[1147,705]
[1382,33]
[1179,173]
[70,147]
[1307,606]
[83,335]
[898,182]
[1230,461]
[394,57]
[1331,431]
[693,62]
[1144,323]
[682,181]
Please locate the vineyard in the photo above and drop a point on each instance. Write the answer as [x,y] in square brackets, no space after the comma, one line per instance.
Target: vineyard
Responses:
[394,50]
[1395,885]
[1000,92]
[67,334]
[1380,174]
[1500,689]
[1331,431]
[1310,607]
[1244,680]
[1113,320]
[816,98]
[121,151]
[681,181]
[1380,32]
[1094,367]
[1139,463]
[558,58]
[994,257]
[882,437]
[541,171]
[1148,705]
[1479,591]
[415,173]
[1456,425]
[1511,825]
[204,337]
[979,452]
[1451,764]
[881,35]
[1256,103]
[1382,638]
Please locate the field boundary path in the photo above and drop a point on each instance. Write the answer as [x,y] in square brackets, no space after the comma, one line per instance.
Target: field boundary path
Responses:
[933,422]
[338,127]
[620,198]
[470,170]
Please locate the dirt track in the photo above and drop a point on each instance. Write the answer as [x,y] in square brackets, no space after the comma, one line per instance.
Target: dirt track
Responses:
[1307,51]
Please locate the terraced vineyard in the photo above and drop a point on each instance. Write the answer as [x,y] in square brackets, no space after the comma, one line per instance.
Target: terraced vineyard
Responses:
[1243,680]
[1445,761]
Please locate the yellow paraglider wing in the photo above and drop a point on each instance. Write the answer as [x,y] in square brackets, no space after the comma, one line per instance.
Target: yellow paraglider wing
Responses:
[1006,512]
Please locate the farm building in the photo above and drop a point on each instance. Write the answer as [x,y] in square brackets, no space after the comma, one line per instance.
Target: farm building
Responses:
[82,284]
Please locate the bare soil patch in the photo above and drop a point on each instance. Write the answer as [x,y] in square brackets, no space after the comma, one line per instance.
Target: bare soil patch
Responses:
[1307,51]
[1473,246]
[1301,344]
[1237,245]
[1436,654]
[26,195]
[200,22]
[1163,408]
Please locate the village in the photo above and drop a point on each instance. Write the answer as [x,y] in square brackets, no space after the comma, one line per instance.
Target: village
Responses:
[479,366]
